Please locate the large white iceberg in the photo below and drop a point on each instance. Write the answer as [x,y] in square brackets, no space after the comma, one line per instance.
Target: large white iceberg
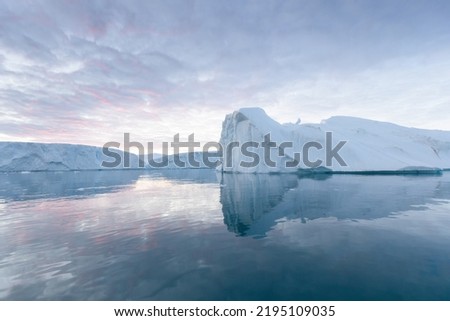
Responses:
[370,146]
[363,145]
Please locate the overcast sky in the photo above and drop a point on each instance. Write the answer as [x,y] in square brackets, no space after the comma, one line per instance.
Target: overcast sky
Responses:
[88,71]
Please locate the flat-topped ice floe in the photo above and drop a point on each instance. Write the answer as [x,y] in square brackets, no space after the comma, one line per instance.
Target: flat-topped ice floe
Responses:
[339,144]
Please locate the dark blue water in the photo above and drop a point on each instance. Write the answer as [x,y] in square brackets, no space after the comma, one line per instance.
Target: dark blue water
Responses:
[197,235]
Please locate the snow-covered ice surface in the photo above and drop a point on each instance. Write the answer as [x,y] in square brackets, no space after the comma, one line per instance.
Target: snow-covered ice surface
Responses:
[371,146]
[24,157]
[17,156]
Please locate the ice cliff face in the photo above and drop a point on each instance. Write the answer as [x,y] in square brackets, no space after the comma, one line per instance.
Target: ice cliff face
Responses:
[367,145]
[251,125]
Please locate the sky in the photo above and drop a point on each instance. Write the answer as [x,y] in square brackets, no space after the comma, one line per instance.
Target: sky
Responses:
[85,72]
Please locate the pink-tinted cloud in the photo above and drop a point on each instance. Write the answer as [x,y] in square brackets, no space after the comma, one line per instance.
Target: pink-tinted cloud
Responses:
[85,72]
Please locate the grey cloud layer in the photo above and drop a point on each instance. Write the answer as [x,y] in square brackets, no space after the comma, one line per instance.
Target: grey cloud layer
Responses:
[72,69]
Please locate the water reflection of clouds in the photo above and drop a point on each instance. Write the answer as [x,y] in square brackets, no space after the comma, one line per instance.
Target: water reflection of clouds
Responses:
[54,185]
[97,234]
[159,237]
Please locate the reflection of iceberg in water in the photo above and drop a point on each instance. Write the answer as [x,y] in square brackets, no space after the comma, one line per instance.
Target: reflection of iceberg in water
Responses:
[247,197]
[252,204]
[25,186]
[16,186]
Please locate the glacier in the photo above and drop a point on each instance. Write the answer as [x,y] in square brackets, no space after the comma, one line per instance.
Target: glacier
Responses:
[370,146]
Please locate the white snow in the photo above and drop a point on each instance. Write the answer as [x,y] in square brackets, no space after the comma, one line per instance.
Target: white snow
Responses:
[18,156]
[370,145]
[25,157]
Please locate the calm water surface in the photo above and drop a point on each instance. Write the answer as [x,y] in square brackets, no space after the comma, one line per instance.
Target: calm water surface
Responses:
[198,235]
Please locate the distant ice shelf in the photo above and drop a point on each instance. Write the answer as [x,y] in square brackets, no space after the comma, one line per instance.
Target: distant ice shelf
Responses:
[18,156]
[27,157]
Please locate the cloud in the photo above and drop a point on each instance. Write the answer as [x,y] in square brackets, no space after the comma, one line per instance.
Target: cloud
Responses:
[87,71]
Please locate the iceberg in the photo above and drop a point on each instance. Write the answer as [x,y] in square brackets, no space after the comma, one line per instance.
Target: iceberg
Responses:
[356,145]
[18,156]
[337,145]
[26,157]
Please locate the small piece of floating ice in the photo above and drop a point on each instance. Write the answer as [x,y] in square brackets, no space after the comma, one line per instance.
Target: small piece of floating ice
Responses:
[371,147]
